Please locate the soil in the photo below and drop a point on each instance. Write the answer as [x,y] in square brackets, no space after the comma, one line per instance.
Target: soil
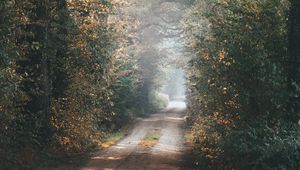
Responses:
[168,153]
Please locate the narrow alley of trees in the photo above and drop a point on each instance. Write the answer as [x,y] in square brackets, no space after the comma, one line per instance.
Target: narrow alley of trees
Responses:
[74,71]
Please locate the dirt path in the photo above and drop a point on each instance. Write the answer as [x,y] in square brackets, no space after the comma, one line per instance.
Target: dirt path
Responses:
[169,153]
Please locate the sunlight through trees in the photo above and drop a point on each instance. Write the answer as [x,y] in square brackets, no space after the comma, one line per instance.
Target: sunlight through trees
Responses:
[73,72]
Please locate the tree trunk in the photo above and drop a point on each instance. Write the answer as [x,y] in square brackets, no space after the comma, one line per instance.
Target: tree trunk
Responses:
[60,76]
[293,61]
[36,70]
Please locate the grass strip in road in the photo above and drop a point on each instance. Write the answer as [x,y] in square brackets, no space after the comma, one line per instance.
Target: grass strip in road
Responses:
[188,138]
[112,139]
[151,138]
[115,137]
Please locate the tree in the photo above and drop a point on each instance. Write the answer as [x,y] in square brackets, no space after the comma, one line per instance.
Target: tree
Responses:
[63,25]
[35,67]
[237,84]
[294,61]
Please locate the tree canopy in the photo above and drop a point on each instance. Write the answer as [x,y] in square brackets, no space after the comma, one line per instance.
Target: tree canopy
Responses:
[73,71]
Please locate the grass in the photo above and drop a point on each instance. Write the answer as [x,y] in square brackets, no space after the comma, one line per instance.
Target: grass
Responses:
[151,138]
[113,139]
[188,138]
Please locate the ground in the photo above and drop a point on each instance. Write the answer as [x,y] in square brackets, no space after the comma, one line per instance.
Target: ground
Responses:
[155,143]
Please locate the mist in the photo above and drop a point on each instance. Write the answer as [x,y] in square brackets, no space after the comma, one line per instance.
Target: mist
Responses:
[157,40]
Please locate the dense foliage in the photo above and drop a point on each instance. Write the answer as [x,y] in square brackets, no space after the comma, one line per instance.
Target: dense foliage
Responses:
[243,99]
[72,71]
[67,78]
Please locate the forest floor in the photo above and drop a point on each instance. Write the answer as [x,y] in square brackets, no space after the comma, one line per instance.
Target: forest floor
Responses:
[155,143]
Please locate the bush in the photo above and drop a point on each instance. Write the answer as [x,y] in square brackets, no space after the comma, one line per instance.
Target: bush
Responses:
[238,96]
[254,146]
[158,101]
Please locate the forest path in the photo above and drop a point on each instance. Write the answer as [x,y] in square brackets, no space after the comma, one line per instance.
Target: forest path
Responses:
[167,153]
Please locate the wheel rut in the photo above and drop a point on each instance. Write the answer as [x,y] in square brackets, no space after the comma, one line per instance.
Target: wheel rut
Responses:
[168,153]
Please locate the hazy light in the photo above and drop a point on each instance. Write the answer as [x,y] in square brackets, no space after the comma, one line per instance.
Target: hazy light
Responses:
[177,104]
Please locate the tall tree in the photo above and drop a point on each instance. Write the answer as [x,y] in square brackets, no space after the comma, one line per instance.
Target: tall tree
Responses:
[35,68]
[294,61]
[60,61]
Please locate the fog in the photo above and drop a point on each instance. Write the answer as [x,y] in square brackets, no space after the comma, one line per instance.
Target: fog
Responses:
[176,104]
[158,44]
[175,87]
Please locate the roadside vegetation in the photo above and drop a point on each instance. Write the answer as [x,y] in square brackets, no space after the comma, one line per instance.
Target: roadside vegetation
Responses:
[244,83]
[73,73]
[68,78]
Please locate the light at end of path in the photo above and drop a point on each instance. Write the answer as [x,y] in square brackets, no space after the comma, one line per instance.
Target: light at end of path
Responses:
[177,104]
